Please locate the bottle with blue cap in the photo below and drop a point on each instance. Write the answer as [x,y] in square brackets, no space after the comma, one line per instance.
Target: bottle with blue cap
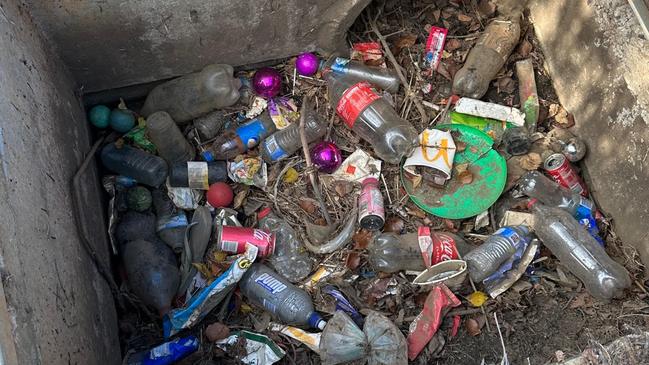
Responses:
[234,142]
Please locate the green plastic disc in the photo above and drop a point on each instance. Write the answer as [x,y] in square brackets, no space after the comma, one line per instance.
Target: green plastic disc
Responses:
[457,200]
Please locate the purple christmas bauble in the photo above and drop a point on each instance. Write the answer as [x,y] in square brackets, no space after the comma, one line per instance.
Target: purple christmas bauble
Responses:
[307,64]
[267,82]
[326,157]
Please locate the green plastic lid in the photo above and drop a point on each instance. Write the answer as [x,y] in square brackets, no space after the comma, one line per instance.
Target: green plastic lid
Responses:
[456,200]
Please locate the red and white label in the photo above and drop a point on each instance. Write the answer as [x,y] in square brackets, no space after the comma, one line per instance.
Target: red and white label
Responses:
[354,101]
[425,244]
[233,239]
[443,248]
[435,46]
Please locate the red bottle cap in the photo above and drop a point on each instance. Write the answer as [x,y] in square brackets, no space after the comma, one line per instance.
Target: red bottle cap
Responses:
[264,212]
[531,203]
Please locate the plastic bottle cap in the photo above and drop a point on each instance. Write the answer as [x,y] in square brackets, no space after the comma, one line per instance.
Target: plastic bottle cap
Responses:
[531,203]
[316,321]
[264,212]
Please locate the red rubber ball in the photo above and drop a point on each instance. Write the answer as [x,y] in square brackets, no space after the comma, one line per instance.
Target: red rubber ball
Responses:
[220,195]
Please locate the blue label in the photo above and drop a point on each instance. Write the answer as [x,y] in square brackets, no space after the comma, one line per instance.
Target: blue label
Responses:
[584,215]
[340,65]
[344,305]
[269,283]
[251,133]
[207,156]
[274,151]
[125,181]
[178,220]
[171,352]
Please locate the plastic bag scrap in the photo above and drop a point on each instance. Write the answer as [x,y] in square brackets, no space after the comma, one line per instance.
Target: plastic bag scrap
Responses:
[380,342]
[342,304]
[259,349]
[283,112]
[168,353]
[358,166]
[184,198]
[439,301]
[137,136]
[207,298]
[311,340]
[258,106]
[499,285]
[249,171]
[112,184]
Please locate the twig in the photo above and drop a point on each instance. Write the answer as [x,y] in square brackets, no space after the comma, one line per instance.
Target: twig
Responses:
[397,67]
[309,165]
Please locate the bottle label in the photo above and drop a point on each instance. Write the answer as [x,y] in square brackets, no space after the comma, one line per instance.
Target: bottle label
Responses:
[371,203]
[584,215]
[435,46]
[275,152]
[197,175]
[207,156]
[269,283]
[425,244]
[510,235]
[251,133]
[354,101]
[443,248]
[340,65]
[178,220]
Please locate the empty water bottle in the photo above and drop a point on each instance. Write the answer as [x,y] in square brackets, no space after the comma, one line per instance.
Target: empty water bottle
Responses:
[384,78]
[285,142]
[197,174]
[211,124]
[290,259]
[579,252]
[236,141]
[372,117]
[142,166]
[286,302]
[498,247]
[193,95]
[168,139]
[171,222]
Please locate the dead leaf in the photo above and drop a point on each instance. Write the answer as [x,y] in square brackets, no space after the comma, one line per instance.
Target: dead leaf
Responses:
[416,211]
[450,225]
[461,167]
[394,224]
[582,300]
[531,161]
[460,146]
[466,177]
[217,331]
[362,239]
[560,356]
[447,13]
[353,260]
[446,23]
[464,18]
[525,48]
[321,222]
[239,198]
[308,205]
[561,116]
[405,41]
[436,14]
[506,85]
[452,44]
[343,187]
[486,8]
[474,27]
[474,325]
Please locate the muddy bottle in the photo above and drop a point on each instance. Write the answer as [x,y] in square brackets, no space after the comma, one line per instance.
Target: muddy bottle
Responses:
[142,166]
[286,302]
[171,222]
[197,174]
[487,57]
[134,226]
[517,141]
[168,139]
[498,247]
[371,117]
[210,125]
[193,95]
[383,78]
[371,213]
[236,141]
[289,259]
[579,252]
[152,273]
[285,142]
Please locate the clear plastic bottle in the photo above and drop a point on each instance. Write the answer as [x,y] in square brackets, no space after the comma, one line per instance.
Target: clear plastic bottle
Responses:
[487,57]
[285,142]
[197,174]
[372,117]
[286,302]
[171,222]
[211,124]
[384,78]
[289,258]
[168,139]
[142,166]
[236,141]
[498,247]
[536,185]
[579,252]
[193,95]
[371,213]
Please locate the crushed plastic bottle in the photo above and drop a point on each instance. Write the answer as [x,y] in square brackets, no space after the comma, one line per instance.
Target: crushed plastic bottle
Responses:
[384,78]
[289,258]
[285,142]
[372,118]
[142,166]
[171,222]
[193,95]
[498,247]
[579,252]
[286,302]
[168,139]
[236,141]
[487,57]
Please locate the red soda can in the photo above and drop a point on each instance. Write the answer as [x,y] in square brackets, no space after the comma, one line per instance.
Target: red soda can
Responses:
[233,239]
[562,171]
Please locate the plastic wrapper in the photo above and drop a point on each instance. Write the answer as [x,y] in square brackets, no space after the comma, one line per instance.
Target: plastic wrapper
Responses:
[258,106]
[343,304]
[185,198]
[259,349]
[356,167]
[249,171]
[209,297]
[439,301]
[370,53]
[387,346]
[169,352]
[342,340]
[283,112]
[484,109]
[311,340]
[137,136]
[112,184]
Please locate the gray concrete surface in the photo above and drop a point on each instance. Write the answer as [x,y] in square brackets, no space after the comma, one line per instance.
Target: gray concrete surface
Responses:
[598,62]
[58,309]
[111,44]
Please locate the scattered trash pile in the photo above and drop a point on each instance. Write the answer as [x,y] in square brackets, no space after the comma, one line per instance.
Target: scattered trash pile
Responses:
[317,209]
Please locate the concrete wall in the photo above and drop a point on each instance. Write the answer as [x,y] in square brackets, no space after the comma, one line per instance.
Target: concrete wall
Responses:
[58,309]
[599,63]
[110,44]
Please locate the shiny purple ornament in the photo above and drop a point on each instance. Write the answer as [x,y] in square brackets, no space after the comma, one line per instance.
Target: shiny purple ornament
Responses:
[307,64]
[267,82]
[326,157]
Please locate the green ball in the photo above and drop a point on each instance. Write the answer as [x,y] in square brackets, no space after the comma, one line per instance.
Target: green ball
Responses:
[139,199]
[122,120]
[99,116]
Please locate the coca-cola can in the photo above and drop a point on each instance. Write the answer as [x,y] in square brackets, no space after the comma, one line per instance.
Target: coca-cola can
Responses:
[233,239]
[562,171]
